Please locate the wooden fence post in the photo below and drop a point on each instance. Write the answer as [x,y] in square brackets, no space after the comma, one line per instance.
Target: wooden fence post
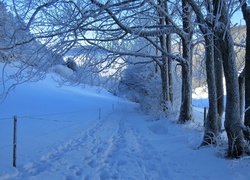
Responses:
[205,116]
[14,142]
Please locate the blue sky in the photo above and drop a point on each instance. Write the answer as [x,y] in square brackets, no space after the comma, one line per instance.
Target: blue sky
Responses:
[238,18]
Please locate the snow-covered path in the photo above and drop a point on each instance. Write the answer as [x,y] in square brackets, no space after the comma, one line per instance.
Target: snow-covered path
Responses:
[70,142]
[125,145]
[113,148]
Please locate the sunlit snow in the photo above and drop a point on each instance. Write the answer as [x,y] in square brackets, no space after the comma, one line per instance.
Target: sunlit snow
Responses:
[81,133]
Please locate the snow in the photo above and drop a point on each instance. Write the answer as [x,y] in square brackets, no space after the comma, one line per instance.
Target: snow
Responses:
[83,133]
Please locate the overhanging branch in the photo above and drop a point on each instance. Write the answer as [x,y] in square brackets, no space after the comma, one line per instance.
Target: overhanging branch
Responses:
[140,30]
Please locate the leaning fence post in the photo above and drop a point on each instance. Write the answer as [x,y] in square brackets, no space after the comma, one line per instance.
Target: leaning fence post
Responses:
[205,116]
[99,113]
[14,142]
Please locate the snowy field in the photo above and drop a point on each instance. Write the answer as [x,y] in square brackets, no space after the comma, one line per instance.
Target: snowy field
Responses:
[66,133]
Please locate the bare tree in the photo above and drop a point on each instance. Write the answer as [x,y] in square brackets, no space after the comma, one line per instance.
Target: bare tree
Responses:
[27,58]
[211,124]
[232,123]
[219,82]
[112,26]
[164,43]
[186,111]
[246,14]
[217,23]
[185,33]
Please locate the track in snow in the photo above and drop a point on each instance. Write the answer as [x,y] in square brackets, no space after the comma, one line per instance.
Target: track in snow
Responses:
[110,149]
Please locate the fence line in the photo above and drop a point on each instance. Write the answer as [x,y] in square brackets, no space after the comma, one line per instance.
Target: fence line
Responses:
[207,108]
[6,146]
[38,117]
[51,120]
[3,119]
[35,116]
[54,114]
[45,133]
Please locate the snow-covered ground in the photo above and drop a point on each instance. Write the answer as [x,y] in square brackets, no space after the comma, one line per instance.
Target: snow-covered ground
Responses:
[80,133]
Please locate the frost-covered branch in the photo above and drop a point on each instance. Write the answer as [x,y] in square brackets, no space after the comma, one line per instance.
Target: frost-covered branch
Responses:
[173,57]
[124,53]
[142,31]
[175,28]
[239,45]
[246,109]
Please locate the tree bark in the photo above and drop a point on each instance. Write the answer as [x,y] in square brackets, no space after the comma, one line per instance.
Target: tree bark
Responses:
[170,73]
[218,69]
[232,123]
[186,110]
[246,14]
[169,50]
[232,114]
[165,83]
[247,78]
[211,124]
[219,82]
[241,79]
[165,59]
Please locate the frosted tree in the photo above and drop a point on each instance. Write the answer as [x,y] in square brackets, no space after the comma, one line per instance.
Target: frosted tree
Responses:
[246,14]
[217,24]
[166,65]
[113,26]
[28,58]
[233,124]
[186,112]
[211,124]
[184,32]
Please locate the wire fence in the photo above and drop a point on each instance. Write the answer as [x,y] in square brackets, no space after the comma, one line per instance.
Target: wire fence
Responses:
[65,123]
[92,114]
[52,117]
[4,119]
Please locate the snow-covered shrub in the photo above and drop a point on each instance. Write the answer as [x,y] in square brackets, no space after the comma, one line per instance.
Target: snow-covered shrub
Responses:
[89,65]
[72,73]
[140,83]
[63,71]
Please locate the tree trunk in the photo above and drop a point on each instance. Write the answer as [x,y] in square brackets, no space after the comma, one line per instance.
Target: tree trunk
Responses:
[170,73]
[232,114]
[247,80]
[232,124]
[219,82]
[164,66]
[186,110]
[211,124]
[241,80]
[165,83]
[246,14]
[169,50]
[218,67]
